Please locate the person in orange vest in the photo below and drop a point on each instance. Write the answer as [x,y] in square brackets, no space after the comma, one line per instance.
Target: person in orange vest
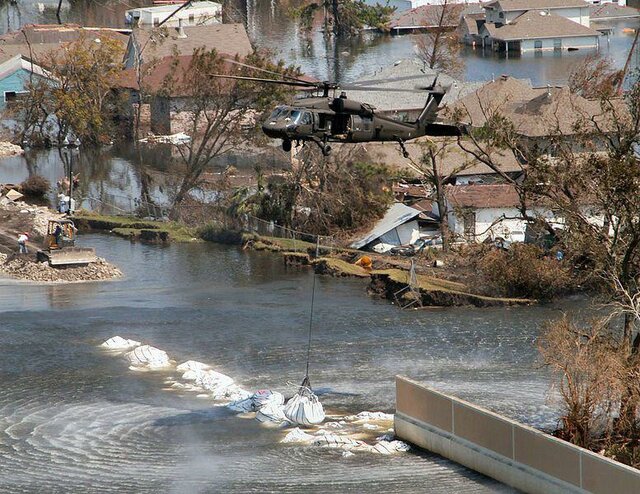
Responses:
[364,262]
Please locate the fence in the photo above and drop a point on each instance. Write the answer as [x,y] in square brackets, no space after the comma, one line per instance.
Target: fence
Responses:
[296,241]
[508,451]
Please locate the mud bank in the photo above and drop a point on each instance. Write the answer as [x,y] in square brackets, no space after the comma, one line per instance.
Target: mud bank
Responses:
[390,283]
[27,269]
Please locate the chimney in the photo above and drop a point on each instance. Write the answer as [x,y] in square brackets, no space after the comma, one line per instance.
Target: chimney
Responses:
[549,90]
[181,33]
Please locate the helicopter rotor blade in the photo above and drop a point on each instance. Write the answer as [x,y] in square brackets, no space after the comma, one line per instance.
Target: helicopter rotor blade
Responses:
[266,71]
[270,81]
[349,87]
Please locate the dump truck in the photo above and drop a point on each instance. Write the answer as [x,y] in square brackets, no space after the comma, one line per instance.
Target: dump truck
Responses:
[59,245]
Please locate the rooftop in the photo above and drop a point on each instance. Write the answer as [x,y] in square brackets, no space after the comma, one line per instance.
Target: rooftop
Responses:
[159,9]
[537,24]
[227,38]
[406,75]
[428,16]
[58,33]
[482,196]
[511,5]
[612,11]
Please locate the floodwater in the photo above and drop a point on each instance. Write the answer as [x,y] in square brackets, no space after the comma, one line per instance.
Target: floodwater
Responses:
[75,419]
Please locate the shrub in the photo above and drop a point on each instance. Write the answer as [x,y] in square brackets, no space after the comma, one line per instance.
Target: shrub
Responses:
[35,186]
[524,271]
[216,232]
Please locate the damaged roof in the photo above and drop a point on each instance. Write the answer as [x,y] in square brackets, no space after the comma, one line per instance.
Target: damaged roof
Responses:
[395,216]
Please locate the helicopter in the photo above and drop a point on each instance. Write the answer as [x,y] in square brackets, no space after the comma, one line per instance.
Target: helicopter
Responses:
[330,118]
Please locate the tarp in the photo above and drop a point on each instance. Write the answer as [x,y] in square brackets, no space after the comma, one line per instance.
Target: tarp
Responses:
[395,216]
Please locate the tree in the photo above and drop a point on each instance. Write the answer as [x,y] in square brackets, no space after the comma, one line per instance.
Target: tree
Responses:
[439,47]
[594,77]
[219,114]
[77,92]
[343,17]
[588,174]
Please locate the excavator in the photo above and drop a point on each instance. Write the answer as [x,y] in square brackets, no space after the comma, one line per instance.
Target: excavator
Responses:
[59,245]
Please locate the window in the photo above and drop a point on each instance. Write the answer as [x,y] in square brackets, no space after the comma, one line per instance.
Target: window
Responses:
[13,96]
[557,44]
[537,44]
[469,224]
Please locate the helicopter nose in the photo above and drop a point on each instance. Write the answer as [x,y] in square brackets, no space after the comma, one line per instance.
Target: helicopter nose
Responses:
[272,129]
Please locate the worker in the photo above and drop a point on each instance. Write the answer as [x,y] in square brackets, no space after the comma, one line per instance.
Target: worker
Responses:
[22,243]
[365,262]
[57,233]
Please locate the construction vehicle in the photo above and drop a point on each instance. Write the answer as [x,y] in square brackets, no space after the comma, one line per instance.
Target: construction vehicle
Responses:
[59,246]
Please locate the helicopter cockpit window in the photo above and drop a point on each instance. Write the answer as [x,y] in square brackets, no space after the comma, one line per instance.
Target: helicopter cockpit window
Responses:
[300,117]
[279,112]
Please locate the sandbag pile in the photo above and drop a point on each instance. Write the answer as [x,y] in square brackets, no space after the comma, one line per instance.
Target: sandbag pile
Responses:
[147,357]
[218,385]
[118,343]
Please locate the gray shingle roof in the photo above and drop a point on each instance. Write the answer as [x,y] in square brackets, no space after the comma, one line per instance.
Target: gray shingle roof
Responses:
[406,74]
[538,24]
[226,38]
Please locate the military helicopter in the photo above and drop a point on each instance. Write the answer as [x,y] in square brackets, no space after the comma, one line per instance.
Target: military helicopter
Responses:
[327,118]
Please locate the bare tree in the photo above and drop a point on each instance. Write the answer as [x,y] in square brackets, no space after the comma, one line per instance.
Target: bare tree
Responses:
[439,47]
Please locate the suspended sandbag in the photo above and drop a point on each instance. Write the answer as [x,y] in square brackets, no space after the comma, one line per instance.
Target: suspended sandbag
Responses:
[148,356]
[119,343]
[304,408]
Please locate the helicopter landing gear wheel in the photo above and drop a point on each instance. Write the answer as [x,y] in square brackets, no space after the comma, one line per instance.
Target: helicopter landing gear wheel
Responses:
[286,145]
[326,150]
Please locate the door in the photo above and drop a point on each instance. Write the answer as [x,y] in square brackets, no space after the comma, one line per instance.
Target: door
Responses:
[537,44]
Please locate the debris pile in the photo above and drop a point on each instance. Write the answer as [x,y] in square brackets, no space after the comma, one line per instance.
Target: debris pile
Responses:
[25,268]
[8,149]
[351,434]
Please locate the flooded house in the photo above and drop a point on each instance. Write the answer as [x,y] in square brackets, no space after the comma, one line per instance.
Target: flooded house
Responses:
[157,60]
[528,26]
[16,73]
[194,14]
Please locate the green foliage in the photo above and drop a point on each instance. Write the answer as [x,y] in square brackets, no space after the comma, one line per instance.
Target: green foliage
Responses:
[217,232]
[347,16]
[35,186]
[524,271]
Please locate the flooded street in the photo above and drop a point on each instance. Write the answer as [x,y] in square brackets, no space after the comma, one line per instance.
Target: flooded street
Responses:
[75,419]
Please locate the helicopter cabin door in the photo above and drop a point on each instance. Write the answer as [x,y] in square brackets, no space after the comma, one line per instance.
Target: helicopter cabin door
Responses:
[360,129]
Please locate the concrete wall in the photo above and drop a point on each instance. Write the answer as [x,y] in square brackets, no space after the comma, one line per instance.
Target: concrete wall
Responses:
[582,42]
[503,449]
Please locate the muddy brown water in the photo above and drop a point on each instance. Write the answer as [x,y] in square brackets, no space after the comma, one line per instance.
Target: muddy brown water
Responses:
[74,419]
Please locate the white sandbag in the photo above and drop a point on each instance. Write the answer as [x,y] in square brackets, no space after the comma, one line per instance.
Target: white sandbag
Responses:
[259,399]
[230,392]
[391,447]
[377,416]
[212,380]
[341,442]
[148,356]
[304,408]
[265,396]
[192,365]
[119,343]
[271,413]
[297,435]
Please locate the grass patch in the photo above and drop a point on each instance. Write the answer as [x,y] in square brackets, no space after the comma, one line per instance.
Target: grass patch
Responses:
[128,226]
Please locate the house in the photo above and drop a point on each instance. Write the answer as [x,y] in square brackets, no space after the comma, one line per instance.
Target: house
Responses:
[146,45]
[169,52]
[538,30]
[15,74]
[503,12]
[469,28]
[194,14]
[536,113]
[36,41]
[480,212]
[426,17]
[404,5]
[399,226]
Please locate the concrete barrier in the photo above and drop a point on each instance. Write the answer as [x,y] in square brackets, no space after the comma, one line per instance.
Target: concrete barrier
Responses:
[503,449]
